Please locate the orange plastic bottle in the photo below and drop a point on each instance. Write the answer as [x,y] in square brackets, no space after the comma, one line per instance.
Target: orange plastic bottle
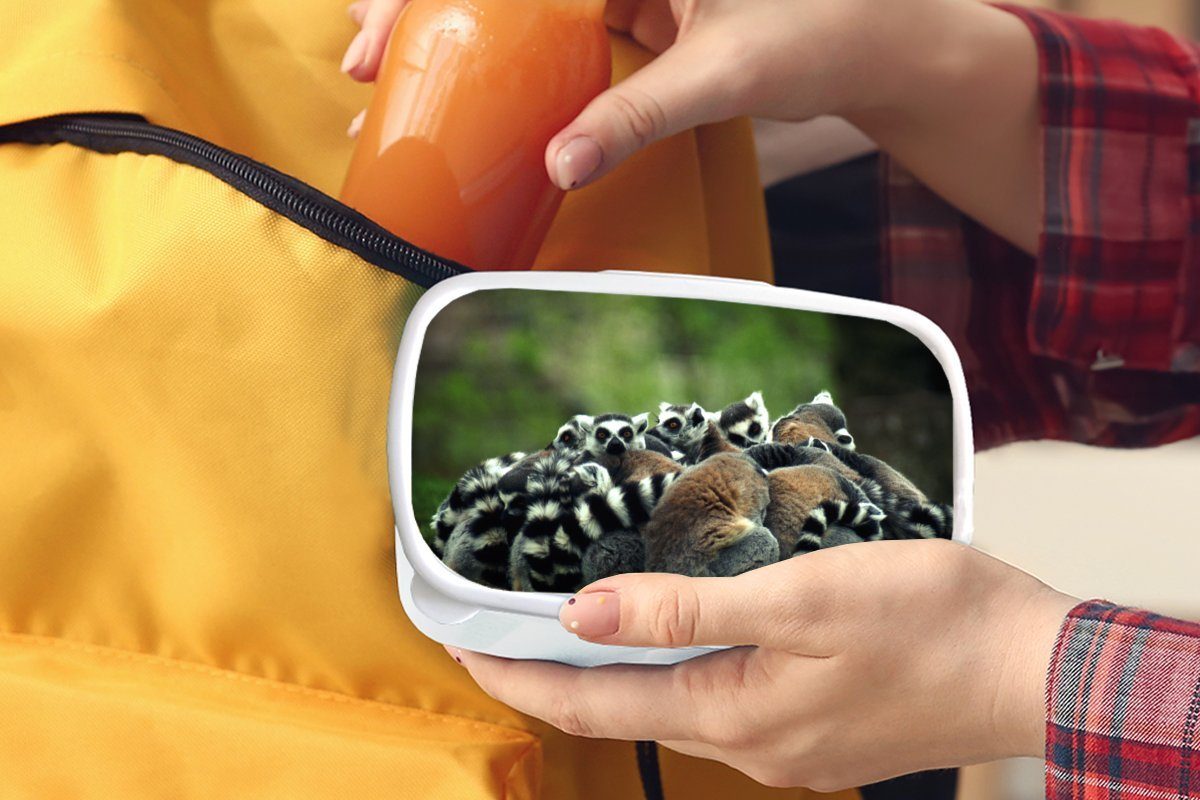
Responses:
[452,150]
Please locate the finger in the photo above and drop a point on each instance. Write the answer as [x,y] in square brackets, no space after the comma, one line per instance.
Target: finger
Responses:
[654,26]
[616,702]
[358,11]
[366,51]
[619,14]
[651,23]
[356,124]
[685,86]
[652,610]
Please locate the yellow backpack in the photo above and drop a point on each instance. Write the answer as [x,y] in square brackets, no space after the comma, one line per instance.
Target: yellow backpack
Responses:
[197,587]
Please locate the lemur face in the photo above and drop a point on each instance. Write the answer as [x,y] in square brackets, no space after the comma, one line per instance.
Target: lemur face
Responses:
[613,434]
[820,419]
[746,422]
[681,426]
[572,436]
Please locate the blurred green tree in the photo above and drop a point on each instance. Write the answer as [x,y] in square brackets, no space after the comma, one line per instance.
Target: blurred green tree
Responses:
[502,370]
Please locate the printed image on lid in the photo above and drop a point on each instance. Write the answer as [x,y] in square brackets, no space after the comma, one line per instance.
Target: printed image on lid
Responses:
[562,437]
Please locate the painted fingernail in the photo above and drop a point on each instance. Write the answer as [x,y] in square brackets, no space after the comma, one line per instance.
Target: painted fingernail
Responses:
[592,614]
[356,52]
[577,161]
[356,125]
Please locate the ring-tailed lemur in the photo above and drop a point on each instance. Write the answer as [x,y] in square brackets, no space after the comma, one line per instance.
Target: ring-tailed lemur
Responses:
[477,482]
[570,511]
[821,426]
[477,545]
[809,502]
[911,514]
[820,419]
[612,435]
[570,441]
[474,526]
[622,551]
[746,422]
[680,428]
[485,478]
[692,432]
[710,522]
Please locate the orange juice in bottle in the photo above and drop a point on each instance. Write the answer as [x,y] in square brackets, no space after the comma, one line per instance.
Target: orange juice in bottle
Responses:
[452,150]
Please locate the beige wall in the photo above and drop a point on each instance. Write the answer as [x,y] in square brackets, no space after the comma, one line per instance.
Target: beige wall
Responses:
[1099,523]
[1178,16]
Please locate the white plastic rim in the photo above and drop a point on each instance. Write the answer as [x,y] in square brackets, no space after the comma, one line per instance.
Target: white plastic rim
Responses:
[453,586]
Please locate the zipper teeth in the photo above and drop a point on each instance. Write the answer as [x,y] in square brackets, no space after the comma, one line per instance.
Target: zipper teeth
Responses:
[393,249]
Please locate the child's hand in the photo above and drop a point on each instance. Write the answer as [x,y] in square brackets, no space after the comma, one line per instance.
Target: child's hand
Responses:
[860,663]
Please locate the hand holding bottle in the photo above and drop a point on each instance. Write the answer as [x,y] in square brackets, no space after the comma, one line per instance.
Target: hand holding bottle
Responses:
[947,87]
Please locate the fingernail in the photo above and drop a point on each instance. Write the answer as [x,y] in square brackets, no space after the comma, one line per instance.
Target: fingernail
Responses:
[577,161]
[454,652]
[592,614]
[356,11]
[356,52]
[356,125]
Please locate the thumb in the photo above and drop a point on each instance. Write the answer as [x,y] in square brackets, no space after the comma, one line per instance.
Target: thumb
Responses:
[657,610]
[680,89]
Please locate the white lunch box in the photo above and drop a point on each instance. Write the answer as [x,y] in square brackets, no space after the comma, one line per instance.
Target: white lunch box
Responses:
[459,612]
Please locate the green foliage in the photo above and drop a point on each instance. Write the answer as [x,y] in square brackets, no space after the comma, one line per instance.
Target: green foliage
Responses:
[502,370]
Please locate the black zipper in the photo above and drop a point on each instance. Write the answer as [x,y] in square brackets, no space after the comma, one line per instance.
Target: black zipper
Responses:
[318,212]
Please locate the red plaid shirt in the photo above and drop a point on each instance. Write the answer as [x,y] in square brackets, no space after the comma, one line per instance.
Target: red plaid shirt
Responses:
[1124,707]
[1096,340]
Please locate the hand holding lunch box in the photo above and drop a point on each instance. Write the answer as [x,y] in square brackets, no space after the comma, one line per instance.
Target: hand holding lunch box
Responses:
[813,570]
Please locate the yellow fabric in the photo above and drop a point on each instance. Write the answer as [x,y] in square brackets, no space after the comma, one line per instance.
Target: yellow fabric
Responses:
[197,589]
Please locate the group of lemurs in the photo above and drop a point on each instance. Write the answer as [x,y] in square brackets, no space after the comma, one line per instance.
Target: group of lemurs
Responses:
[700,494]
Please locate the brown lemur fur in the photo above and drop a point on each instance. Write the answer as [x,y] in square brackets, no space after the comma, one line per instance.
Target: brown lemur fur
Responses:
[808,502]
[710,521]
[821,426]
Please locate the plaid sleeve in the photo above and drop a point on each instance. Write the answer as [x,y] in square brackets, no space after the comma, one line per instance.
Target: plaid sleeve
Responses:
[1117,283]
[1123,701]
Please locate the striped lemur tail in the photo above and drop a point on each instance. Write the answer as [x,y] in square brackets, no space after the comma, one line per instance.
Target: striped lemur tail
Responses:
[930,520]
[909,515]
[559,528]
[857,514]
[479,482]
[908,519]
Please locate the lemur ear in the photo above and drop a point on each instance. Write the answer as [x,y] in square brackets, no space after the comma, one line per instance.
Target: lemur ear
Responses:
[844,438]
[824,398]
[755,401]
[641,422]
[584,420]
[696,414]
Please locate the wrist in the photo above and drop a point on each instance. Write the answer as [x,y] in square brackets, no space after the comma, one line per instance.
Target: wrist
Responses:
[1019,709]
